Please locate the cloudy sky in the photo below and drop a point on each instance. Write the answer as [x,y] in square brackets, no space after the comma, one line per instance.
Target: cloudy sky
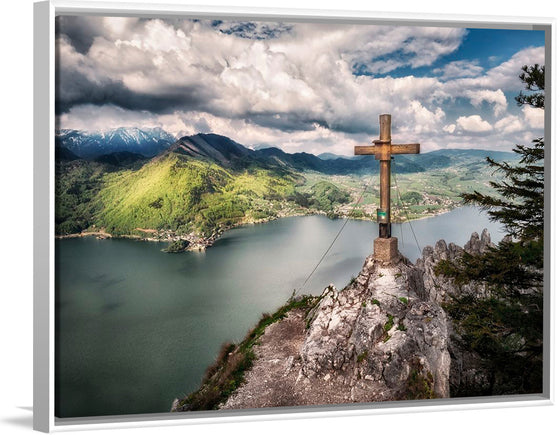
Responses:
[300,86]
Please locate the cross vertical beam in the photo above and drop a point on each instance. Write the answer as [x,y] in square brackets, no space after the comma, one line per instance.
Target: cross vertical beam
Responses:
[384,176]
[385,246]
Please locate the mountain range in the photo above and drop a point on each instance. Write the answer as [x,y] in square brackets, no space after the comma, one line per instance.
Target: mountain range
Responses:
[133,144]
[89,145]
[226,152]
[206,182]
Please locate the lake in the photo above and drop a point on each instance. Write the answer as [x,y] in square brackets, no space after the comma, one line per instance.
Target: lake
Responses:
[136,327]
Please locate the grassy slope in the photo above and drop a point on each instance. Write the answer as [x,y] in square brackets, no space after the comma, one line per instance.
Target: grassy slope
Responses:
[179,193]
[182,194]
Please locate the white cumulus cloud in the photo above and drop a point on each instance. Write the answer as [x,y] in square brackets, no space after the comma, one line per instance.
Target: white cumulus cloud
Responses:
[497,98]
[459,68]
[473,123]
[509,124]
[534,117]
[449,128]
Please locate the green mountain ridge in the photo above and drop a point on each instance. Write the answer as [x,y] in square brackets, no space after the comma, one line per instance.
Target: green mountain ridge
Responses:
[185,194]
[204,184]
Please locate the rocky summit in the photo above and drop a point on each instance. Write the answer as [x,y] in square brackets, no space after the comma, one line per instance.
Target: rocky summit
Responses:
[384,337]
[379,337]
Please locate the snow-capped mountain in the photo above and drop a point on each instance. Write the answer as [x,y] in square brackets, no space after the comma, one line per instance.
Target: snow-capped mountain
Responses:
[146,141]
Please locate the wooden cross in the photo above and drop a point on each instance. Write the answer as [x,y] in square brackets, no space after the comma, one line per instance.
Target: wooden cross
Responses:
[383,150]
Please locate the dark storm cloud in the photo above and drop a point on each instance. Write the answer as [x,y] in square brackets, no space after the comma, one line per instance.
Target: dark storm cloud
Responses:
[292,122]
[355,126]
[117,94]
[73,88]
[302,121]
[80,31]
[285,121]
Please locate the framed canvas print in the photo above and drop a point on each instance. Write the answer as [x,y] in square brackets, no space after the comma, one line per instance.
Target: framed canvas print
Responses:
[252,213]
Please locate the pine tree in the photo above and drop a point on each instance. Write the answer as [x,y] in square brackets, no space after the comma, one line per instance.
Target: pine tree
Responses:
[506,327]
[533,77]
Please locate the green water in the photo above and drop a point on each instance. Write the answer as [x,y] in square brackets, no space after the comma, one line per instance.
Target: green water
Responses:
[136,327]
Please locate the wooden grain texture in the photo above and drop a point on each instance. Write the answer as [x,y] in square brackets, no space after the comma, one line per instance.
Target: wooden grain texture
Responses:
[406,148]
[365,150]
[368,150]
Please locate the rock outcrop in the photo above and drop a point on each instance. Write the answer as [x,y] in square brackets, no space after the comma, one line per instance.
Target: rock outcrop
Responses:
[428,286]
[468,375]
[380,335]
[383,337]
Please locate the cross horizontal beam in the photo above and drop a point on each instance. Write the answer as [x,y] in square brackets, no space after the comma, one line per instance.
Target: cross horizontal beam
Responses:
[406,148]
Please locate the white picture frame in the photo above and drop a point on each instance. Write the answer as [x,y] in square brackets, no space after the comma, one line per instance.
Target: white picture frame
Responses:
[44,125]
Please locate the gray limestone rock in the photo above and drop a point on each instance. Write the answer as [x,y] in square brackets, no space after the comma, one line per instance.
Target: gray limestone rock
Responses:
[388,329]
[380,332]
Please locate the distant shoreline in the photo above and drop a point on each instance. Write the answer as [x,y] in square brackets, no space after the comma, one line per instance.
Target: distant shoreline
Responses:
[196,242]
[199,243]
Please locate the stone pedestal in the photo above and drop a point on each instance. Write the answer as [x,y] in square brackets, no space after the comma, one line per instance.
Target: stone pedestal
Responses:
[385,250]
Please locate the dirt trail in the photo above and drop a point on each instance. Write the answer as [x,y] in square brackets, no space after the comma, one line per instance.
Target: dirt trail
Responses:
[275,379]
[271,380]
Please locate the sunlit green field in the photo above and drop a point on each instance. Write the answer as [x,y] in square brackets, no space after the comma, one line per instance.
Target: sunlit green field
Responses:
[413,195]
